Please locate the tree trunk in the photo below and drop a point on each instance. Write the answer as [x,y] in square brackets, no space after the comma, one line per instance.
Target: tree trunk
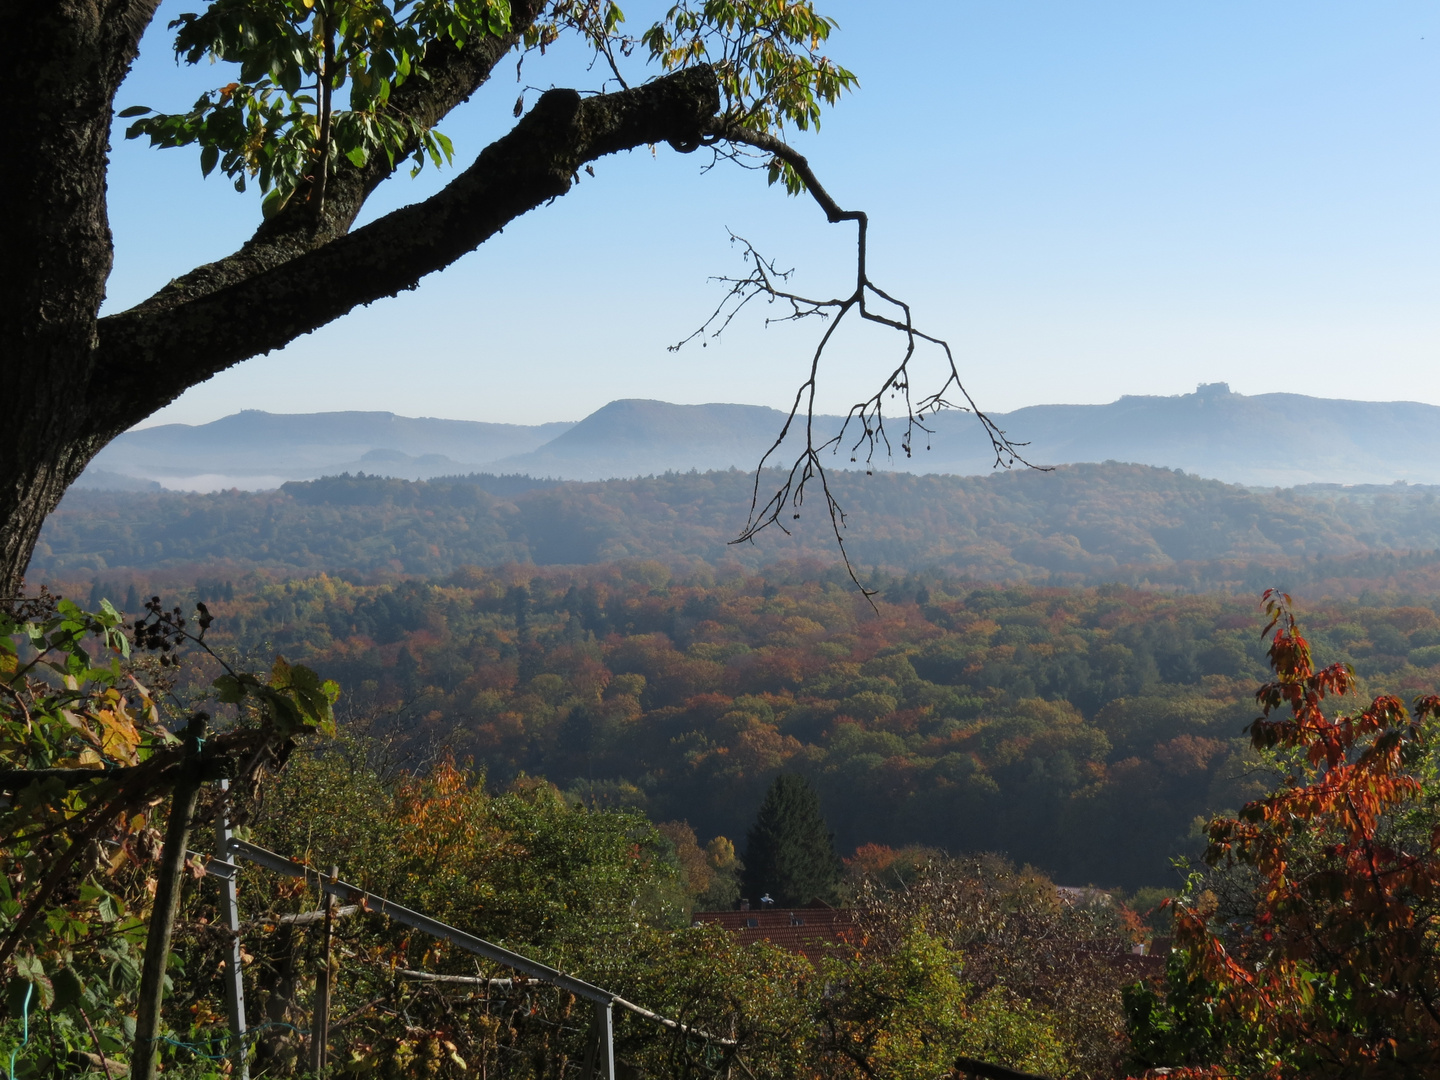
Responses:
[55,245]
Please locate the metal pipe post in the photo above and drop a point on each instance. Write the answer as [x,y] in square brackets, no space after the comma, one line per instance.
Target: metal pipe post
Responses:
[605,1031]
[320,1014]
[230,912]
[378,905]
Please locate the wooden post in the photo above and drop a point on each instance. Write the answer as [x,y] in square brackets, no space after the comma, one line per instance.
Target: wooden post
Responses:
[168,884]
[230,912]
[320,1015]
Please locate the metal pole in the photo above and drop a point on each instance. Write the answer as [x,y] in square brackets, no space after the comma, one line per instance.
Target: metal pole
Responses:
[435,928]
[988,1071]
[230,911]
[320,1016]
[603,1044]
[605,1029]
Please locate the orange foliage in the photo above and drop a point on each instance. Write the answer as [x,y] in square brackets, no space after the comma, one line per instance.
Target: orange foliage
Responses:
[871,860]
[1338,962]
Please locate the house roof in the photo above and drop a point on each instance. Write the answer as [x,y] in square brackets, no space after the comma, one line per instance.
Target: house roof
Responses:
[813,932]
[818,931]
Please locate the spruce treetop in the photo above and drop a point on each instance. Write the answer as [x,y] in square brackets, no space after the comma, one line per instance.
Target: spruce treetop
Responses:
[790,852]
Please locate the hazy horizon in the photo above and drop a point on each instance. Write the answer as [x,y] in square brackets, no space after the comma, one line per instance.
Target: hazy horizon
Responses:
[1086,200]
[159,421]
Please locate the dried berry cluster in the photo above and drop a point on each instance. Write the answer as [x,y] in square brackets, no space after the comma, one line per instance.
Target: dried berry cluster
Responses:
[35,608]
[161,631]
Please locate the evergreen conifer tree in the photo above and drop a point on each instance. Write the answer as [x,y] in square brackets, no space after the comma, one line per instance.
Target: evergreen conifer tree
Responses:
[789,852]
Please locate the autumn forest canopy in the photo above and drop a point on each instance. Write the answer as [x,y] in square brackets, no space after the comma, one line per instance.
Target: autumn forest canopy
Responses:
[1085,731]
[574,741]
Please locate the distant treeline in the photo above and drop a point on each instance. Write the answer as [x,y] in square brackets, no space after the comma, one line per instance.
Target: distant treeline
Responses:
[1078,525]
[1084,731]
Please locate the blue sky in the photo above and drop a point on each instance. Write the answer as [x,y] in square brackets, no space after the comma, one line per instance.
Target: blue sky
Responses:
[1086,199]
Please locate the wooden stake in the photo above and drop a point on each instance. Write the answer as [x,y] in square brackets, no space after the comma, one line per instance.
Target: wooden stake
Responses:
[168,884]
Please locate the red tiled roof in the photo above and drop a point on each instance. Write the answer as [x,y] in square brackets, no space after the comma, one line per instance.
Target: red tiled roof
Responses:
[812,932]
[815,932]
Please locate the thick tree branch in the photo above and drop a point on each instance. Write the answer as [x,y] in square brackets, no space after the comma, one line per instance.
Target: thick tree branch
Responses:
[146,358]
[726,131]
[445,79]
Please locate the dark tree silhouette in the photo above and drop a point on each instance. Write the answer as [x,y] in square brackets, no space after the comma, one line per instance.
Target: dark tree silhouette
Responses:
[789,851]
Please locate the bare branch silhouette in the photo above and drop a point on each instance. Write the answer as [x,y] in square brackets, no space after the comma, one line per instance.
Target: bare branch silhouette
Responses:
[863,429]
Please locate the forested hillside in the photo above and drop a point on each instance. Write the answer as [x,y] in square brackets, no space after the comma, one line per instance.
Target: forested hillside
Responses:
[1084,524]
[1081,730]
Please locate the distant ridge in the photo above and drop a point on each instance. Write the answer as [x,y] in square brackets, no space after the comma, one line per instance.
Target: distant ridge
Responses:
[1266,440]
[104,480]
[635,437]
[255,449]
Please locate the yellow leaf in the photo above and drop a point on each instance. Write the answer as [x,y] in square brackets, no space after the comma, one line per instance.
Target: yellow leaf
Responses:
[120,737]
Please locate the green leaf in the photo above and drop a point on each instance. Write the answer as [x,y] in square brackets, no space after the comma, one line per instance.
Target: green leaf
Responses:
[69,990]
[108,909]
[133,110]
[301,697]
[230,689]
[209,156]
[446,146]
[274,202]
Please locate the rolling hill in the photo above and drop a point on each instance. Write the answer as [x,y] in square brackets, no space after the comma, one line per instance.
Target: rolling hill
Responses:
[1262,440]
[255,450]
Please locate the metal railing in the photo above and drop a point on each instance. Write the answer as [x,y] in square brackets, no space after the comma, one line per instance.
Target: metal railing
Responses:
[604,1002]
